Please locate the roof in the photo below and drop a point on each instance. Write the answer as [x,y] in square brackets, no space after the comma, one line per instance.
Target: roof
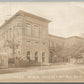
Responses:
[78,37]
[56,36]
[34,16]
[26,14]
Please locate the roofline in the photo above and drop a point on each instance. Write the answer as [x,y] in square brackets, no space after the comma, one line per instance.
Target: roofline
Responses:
[56,36]
[8,20]
[75,37]
[31,15]
[34,16]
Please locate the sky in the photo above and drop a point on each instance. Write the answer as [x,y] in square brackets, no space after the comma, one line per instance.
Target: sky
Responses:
[67,18]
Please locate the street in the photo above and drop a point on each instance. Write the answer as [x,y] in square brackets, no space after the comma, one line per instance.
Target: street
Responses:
[61,73]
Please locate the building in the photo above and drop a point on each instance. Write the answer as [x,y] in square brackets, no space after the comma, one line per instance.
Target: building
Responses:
[55,46]
[25,37]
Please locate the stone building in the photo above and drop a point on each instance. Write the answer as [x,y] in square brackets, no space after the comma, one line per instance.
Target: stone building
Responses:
[54,40]
[55,46]
[25,36]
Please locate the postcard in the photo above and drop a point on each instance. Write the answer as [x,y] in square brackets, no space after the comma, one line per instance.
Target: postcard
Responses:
[42,41]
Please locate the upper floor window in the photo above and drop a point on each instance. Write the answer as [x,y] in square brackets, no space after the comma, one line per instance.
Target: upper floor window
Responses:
[19,24]
[43,33]
[35,31]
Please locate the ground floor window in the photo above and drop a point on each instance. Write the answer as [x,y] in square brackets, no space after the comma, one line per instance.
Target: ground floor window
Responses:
[28,56]
[36,56]
[43,56]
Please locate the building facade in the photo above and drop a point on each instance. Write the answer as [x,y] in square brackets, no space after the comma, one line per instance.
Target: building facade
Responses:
[55,46]
[25,36]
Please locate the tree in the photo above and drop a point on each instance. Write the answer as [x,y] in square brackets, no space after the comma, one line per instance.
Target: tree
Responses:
[12,45]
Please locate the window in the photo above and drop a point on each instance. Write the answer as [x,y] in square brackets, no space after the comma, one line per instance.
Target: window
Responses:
[28,56]
[27,29]
[44,43]
[43,56]
[27,25]
[19,24]
[36,56]
[28,42]
[43,33]
[35,31]
[36,41]
[19,52]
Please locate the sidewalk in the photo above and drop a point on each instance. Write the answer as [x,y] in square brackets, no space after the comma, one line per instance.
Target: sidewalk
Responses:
[34,72]
[15,70]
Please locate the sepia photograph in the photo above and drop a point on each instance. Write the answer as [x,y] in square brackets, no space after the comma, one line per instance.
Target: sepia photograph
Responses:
[41,42]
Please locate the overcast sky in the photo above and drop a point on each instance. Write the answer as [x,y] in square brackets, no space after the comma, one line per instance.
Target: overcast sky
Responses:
[67,17]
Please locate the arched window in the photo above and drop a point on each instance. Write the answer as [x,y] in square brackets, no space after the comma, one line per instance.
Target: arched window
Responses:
[43,56]
[36,56]
[28,55]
